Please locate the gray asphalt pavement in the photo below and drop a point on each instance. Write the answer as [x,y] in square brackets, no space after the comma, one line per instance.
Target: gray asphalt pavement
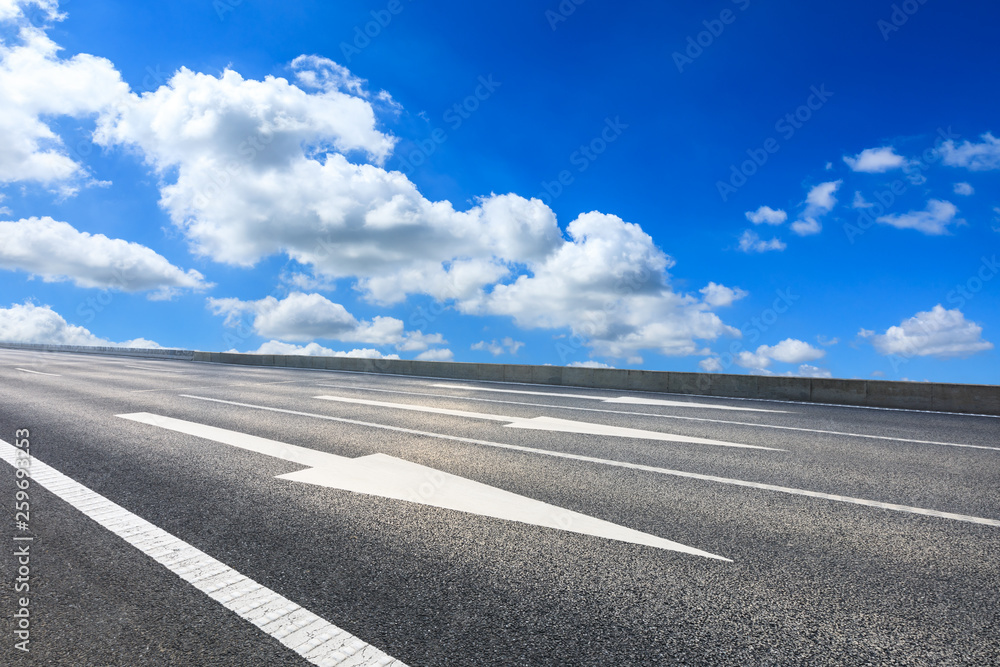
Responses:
[808,579]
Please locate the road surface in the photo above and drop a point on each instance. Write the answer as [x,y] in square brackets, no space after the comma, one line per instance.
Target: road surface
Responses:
[185,513]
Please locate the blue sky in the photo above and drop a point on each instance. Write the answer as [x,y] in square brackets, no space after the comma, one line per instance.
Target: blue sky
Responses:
[736,186]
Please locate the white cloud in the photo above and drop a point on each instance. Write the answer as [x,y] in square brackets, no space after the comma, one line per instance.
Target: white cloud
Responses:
[935,333]
[56,251]
[235,155]
[28,323]
[819,202]
[588,364]
[11,10]
[807,371]
[933,220]
[788,351]
[875,160]
[792,351]
[608,285]
[860,201]
[40,86]
[964,189]
[302,317]
[766,215]
[983,156]
[807,226]
[711,365]
[751,242]
[247,153]
[719,296]
[826,342]
[316,350]
[303,282]
[507,345]
[439,354]
[820,198]
[253,168]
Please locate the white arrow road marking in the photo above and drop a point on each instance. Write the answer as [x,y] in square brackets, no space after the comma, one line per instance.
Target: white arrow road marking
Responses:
[622,464]
[390,477]
[312,637]
[621,399]
[25,370]
[550,424]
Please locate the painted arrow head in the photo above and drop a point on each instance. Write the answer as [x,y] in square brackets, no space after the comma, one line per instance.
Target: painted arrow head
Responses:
[390,477]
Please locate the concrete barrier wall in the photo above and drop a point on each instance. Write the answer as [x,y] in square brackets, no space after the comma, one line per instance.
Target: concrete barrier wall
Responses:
[977,399]
[158,353]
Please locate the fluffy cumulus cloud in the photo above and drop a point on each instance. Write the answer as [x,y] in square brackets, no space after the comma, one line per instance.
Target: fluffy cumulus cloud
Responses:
[788,351]
[935,333]
[752,242]
[317,350]
[293,165]
[265,167]
[30,70]
[964,189]
[505,346]
[609,285]
[56,251]
[765,215]
[304,317]
[875,160]
[30,323]
[819,202]
[982,156]
[719,296]
[933,220]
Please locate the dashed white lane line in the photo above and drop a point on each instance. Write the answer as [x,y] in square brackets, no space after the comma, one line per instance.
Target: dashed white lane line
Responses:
[653,414]
[315,639]
[25,370]
[622,464]
[550,424]
[634,400]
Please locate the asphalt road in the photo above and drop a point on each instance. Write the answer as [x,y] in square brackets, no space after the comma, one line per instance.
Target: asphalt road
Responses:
[831,579]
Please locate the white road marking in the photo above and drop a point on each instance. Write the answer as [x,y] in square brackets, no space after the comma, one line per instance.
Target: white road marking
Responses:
[394,478]
[551,424]
[621,464]
[656,393]
[152,368]
[659,416]
[37,372]
[621,399]
[315,639]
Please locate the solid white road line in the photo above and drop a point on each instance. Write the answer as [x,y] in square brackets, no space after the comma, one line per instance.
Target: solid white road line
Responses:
[620,464]
[315,639]
[659,416]
[621,399]
[550,424]
[37,372]
[391,477]
[152,368]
